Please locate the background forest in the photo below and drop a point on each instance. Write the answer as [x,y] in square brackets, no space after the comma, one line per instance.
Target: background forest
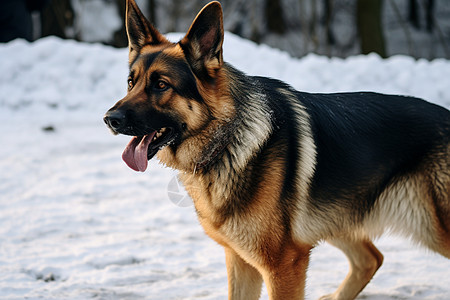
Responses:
[419,28]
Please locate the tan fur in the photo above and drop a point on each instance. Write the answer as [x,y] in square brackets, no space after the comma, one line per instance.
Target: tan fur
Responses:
[189,153]
[244,281]
[364,259]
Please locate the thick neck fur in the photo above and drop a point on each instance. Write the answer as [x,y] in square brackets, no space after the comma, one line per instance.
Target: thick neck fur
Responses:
[246,131]
[238,140]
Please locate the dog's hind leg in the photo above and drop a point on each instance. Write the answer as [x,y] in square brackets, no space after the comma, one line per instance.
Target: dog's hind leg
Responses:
[244,281]
[364,259]
[440,198]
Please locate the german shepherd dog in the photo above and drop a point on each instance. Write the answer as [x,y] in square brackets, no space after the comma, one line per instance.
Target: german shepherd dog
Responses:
[273,171]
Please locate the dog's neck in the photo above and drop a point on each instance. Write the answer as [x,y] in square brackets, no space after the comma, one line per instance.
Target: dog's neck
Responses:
[236,141]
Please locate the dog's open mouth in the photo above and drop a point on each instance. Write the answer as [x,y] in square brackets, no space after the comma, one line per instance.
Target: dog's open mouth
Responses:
[142,148]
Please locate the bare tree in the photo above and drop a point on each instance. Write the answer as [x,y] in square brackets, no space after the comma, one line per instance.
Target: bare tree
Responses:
[120,37]
[370,29]
[275,17]
[413,10]
[429,11]
[56,17]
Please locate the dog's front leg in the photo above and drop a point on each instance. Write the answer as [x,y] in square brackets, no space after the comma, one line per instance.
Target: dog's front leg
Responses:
[244,281]
[285,276]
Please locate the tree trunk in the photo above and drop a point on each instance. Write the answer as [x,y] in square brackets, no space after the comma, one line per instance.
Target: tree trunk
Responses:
[274,16]
[55,17]
[414,14]
[120,38]
[369,26]
[152,12]
[429,9]
[327,20]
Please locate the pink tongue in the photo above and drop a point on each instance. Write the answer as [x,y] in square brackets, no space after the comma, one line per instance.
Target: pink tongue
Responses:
[135,153]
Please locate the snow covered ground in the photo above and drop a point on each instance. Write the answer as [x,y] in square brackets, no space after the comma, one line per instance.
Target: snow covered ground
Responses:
[77,223]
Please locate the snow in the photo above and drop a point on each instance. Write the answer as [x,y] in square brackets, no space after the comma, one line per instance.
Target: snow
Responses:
[77,223]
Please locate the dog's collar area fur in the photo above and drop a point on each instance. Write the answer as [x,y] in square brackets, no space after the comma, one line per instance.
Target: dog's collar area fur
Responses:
[217,146]
[212,157]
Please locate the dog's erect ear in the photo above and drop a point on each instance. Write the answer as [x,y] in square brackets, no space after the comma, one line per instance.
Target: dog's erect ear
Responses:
[202,44]
[140,31]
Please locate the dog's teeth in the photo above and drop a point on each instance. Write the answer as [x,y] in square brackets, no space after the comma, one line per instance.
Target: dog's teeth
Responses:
[159,134]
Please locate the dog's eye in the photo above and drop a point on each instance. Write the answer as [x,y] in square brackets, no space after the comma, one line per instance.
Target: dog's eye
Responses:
[130,83]
[161,86]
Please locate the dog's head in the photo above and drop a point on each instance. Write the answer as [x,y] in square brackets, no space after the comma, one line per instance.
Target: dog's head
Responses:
[174,90]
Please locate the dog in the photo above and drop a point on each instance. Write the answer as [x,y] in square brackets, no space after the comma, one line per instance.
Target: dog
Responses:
[273,171]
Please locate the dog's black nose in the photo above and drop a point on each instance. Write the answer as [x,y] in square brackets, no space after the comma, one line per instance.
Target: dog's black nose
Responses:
[115,119]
